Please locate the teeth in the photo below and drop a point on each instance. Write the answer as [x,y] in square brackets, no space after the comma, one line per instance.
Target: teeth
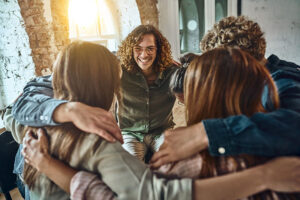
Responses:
[144,61]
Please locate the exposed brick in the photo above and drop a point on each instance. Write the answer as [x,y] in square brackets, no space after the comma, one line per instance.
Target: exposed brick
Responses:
[40,50]
[148,11]
[32,3]
[33,44]
[32,36]
[43,43]
[43,36]
[38,19]
[32,11]
[29,21]
[23,4]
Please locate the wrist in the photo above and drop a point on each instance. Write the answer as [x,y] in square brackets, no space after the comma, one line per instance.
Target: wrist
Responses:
[262,177]
[44,163]
[201,138]
[63,112]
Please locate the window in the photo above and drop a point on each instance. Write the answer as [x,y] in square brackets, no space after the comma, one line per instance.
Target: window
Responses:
[191,19]
[191,24]
[91,20]
[220,9]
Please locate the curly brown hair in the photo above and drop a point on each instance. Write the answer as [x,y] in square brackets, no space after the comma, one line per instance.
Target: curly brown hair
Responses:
[236,31]
[163,57]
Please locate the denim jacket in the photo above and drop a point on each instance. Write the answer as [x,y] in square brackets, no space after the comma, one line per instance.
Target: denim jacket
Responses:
[267,134]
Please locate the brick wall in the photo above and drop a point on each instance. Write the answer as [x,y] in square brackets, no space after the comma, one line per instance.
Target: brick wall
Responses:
[46,24]
[60,25]
[16,64]
[148,11]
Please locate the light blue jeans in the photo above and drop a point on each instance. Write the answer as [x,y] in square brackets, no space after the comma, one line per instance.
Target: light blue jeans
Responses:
[18,170]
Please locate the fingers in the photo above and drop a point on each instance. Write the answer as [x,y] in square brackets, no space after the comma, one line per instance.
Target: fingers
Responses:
[117,133]
[111,131]
[27,161]
[160,158]
[25,153]
[107,128]
[28,138]
[159,162]
[28,134]
[106,131]
[158,155]
[41,133]
[42,141]
[106,136]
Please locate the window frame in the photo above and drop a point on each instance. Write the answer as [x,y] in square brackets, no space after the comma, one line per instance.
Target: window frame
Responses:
[99,38]
[169,19]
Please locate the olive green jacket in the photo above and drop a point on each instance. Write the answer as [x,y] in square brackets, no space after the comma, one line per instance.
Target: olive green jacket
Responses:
[145,109]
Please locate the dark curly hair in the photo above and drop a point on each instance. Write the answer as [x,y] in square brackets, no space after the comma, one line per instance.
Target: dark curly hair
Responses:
[236,31]
[163,57]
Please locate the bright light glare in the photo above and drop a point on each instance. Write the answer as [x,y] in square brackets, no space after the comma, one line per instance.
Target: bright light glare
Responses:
[83,12]
[106,19]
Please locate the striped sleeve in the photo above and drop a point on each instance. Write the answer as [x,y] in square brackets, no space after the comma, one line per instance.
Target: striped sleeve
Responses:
[85,185]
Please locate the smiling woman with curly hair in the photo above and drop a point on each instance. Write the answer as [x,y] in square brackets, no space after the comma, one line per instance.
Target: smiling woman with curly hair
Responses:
[145,110]
[163,53]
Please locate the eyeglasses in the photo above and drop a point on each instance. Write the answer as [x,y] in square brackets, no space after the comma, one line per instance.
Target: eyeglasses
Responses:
[149,50]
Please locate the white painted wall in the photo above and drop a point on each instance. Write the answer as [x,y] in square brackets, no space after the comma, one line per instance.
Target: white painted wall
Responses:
[128,16]
[168,23]
[16,65]
[280,20]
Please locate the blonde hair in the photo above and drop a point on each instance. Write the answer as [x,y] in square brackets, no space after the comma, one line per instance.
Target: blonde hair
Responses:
[236,31]
[83,72]
[163,57]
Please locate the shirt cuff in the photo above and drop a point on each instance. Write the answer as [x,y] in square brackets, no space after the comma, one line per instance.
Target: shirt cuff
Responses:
[47,118]
[218,136]
[44,118]
[80,183]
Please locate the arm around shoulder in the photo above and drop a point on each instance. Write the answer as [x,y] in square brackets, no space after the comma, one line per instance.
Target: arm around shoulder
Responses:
[36,105]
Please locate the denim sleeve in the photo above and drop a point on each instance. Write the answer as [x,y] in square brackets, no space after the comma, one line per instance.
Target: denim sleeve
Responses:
[36,105]
[275,133]
[266,134]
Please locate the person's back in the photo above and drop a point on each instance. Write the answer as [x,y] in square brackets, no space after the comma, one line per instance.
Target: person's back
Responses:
[287,78]
[90,74]
[89,152]
[225,82]
[247,35]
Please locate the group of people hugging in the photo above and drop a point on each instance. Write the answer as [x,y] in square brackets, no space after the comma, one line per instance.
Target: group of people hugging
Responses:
[101,126]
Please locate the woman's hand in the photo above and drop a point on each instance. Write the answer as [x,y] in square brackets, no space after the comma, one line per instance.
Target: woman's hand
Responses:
[179,144]
[283,174]
[89,119]
[35,150]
